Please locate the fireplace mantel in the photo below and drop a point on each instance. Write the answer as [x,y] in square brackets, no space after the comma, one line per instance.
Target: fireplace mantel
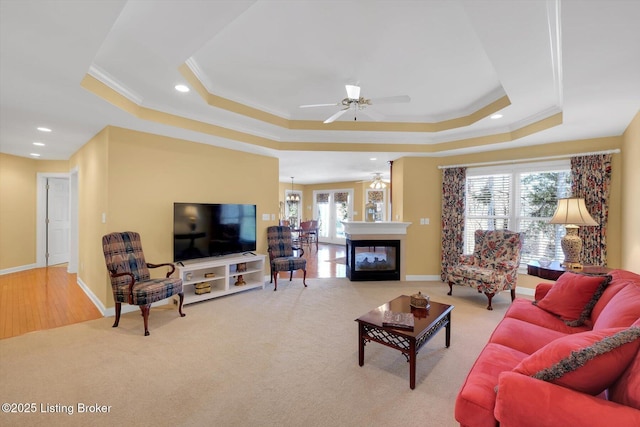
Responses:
[374,228]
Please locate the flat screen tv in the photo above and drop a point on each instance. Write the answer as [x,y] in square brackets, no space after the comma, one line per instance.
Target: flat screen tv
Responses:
[202,230]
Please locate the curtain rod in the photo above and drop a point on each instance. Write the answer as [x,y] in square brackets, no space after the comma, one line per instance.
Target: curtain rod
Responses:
[533,159]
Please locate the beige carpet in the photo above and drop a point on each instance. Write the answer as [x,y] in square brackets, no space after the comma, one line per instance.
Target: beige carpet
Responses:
[258,358]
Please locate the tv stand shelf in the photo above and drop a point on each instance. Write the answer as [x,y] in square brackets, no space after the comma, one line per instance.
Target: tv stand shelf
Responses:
[222,275]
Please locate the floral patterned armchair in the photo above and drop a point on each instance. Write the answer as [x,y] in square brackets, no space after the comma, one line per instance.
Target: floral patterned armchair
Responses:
[493,267]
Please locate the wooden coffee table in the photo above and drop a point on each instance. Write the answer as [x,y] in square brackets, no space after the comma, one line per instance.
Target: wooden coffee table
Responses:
[427,323]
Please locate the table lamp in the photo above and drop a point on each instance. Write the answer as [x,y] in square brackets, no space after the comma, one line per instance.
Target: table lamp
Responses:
[572,212]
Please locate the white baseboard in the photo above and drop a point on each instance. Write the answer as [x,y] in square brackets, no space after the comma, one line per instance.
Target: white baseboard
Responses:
[422,278]
[111,311]
[526,291]
[94,299]
[434,278]
[16,269]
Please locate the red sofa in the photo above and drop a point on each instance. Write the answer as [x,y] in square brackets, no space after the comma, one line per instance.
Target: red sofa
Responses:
[569,358]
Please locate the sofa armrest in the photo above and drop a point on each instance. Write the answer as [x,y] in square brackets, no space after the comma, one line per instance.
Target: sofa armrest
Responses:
[541,290]
[524,401]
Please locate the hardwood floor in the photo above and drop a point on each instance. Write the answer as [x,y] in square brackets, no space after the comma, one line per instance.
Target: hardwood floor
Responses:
[44,298]
[320,263]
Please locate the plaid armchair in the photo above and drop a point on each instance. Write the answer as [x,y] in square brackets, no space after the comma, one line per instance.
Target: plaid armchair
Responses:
[493,267]
[281,256]
[130,279]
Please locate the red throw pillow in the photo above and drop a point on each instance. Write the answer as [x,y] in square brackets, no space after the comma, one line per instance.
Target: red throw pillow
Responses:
[573,296]
[588,362]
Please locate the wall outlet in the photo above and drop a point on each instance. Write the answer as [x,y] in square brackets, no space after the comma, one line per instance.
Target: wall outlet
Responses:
[273,217]
[265,217]
[426,221]
[421,221]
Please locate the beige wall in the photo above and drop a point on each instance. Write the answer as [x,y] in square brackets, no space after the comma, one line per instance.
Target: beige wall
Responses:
[18,207]
[92,163]
[417,194]
[134,178]
[630,210]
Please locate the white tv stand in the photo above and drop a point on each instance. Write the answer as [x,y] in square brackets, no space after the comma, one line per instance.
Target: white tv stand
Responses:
[223,275]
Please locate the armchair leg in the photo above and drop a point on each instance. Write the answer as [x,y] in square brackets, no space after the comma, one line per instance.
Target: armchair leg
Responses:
[290,275]
[304,278]
[513,294]
[450,288]
[181,295]
[274,276]
[118,309]
[145,315]
[490,297]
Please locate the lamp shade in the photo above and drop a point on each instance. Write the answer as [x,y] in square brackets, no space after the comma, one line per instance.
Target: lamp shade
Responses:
[573,211]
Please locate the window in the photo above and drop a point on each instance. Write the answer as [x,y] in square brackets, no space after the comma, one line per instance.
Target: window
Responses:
[378,198]
[521,198]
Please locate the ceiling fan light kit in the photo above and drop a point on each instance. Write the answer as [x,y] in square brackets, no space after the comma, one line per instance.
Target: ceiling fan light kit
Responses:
[353,92]
[354,100]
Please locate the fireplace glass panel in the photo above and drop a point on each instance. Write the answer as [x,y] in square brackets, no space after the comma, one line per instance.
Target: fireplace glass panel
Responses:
[375,258]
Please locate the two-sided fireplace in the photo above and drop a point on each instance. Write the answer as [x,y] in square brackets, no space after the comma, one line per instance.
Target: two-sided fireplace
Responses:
[373,259]
[374,249]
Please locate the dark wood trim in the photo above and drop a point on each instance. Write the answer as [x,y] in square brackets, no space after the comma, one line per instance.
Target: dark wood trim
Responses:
[554,270]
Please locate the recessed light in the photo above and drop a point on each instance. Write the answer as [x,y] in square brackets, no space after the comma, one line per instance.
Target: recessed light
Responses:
[43,129]
[496,116]
[182,88]
[373,158]
[34,154]
[39,144]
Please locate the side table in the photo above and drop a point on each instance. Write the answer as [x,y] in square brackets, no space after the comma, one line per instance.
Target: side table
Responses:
[555,270]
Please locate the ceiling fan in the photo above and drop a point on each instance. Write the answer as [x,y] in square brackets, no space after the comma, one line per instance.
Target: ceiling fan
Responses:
[355,101]
[377,182]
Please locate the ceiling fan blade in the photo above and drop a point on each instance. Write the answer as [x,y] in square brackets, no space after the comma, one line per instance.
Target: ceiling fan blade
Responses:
[374,115]
[336,115]
[390,100]
[319,105]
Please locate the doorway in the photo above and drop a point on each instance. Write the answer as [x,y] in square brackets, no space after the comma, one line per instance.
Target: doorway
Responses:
[331,207]
[55,214]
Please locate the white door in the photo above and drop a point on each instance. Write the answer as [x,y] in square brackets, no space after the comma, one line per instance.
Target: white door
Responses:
[57,221]
[330,208]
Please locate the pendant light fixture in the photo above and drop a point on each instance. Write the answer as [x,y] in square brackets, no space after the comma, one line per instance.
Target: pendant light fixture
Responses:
[292,197]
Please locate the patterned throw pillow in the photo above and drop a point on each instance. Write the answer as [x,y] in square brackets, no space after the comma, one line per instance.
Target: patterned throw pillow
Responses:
[573,297]
[588,362]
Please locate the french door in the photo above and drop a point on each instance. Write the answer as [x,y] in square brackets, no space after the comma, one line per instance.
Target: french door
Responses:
[331,207]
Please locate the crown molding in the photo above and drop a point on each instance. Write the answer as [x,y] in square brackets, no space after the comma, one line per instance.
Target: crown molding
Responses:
[114,84]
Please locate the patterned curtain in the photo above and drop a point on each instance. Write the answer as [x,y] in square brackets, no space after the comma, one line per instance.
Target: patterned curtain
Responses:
[341,197]
[453,194]
[375,196]
[591,177]
[322,198]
